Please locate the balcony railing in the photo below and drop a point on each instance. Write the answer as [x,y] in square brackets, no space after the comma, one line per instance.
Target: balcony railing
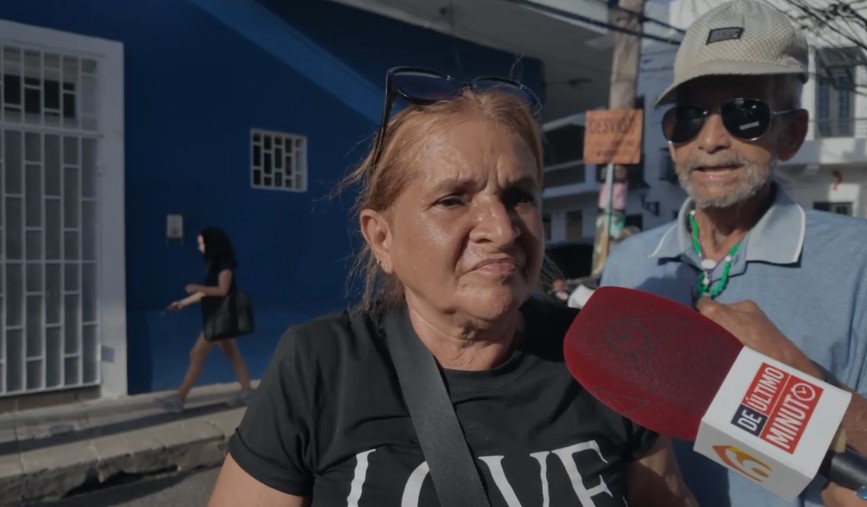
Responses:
[567,173]
[840,127]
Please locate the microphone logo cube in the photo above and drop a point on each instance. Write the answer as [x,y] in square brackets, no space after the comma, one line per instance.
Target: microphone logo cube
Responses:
[777,407]
[771,423]
[749,420]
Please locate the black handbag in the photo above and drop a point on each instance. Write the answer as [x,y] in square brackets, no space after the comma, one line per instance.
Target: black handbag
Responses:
[230,316]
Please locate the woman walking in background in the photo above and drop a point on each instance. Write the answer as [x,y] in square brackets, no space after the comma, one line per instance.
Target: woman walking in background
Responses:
[219,281]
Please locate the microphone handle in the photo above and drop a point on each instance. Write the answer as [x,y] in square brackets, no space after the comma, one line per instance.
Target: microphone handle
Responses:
[847,469]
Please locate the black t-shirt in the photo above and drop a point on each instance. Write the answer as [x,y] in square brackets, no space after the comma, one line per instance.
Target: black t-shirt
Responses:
[328,421]
[210,304]
[212,275]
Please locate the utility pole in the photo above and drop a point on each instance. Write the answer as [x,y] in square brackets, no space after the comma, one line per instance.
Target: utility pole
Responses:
[622,93]
[626,54]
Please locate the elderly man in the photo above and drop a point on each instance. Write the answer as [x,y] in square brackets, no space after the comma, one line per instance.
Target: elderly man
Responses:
[788,282]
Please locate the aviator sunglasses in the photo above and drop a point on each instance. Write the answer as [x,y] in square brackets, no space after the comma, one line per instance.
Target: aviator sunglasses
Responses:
[424,87]
[745,119]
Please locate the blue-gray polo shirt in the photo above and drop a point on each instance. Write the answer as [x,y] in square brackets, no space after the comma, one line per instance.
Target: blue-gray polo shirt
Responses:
[806,269]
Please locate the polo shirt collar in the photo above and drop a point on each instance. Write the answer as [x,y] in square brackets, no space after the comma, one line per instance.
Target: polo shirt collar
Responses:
[777,238]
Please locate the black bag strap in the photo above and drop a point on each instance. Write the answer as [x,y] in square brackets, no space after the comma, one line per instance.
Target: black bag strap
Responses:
[442,440]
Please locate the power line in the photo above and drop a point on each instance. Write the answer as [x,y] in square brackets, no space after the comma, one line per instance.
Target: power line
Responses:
[458,29]
[823,18]
[590,21]
[839,10]
[826,17]
[642,16]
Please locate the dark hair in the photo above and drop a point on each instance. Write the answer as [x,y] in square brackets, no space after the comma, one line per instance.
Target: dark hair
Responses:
[218,246]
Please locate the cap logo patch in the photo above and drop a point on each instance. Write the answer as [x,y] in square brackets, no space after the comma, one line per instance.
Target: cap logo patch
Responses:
[723,34]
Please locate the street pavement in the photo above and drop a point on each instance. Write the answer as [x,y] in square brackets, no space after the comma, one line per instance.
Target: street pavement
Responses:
[191,489]
[49,453]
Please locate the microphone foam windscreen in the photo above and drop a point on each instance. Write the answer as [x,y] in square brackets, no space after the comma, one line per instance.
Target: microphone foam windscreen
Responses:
[648,358]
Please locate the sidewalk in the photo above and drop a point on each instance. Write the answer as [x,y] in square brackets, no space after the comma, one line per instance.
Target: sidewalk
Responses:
[47,452]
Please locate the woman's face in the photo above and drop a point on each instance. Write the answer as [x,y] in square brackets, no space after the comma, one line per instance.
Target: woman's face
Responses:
[465,235]
[201,242]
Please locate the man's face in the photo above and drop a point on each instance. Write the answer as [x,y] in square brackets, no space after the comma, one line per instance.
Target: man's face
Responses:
[718,169]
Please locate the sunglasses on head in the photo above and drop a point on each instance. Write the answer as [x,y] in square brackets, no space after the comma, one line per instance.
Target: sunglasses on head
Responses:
[424,87]
[745,119]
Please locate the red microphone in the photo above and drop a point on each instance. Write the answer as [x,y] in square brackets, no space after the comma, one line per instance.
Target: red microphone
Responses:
[672,370]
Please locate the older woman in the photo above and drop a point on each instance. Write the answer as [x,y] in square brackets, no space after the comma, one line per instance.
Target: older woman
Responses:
[449,210]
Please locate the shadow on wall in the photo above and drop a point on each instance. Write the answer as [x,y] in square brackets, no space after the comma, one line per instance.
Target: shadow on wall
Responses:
[139,353]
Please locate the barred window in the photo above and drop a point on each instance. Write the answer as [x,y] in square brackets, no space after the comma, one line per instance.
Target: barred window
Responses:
[836,85]
[278,161]
[47,89]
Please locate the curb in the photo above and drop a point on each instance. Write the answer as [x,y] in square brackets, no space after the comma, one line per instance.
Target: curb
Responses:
[54,483]
[55,466]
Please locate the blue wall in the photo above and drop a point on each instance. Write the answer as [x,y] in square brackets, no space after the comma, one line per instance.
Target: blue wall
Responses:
[194,89]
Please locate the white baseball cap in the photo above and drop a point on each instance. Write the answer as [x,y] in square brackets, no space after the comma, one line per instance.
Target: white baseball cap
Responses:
[741,37]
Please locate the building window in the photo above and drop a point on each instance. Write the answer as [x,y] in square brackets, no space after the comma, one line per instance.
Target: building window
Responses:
[835,89]
[574,225]
[279,161]
[667,171]
[546,224]
[564,144]
[840,208]
[50,199]
[47,89]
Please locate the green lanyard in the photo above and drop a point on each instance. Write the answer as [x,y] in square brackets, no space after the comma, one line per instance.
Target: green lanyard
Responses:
[704,286]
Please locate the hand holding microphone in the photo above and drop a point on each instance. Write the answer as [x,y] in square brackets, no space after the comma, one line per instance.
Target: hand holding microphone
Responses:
[674,371]
[746,321]
[748,324]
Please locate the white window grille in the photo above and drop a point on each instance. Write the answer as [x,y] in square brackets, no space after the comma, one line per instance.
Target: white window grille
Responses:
[49,316]
[48,89]
[278,161]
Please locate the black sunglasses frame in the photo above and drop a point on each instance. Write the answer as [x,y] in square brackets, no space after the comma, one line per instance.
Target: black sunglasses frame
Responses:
[392,92]
[706,113]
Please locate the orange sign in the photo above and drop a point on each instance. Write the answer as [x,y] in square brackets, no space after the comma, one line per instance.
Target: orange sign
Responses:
[613,136]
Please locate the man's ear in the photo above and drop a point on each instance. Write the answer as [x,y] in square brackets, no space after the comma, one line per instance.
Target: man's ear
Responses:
[377,234]
[793,135]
